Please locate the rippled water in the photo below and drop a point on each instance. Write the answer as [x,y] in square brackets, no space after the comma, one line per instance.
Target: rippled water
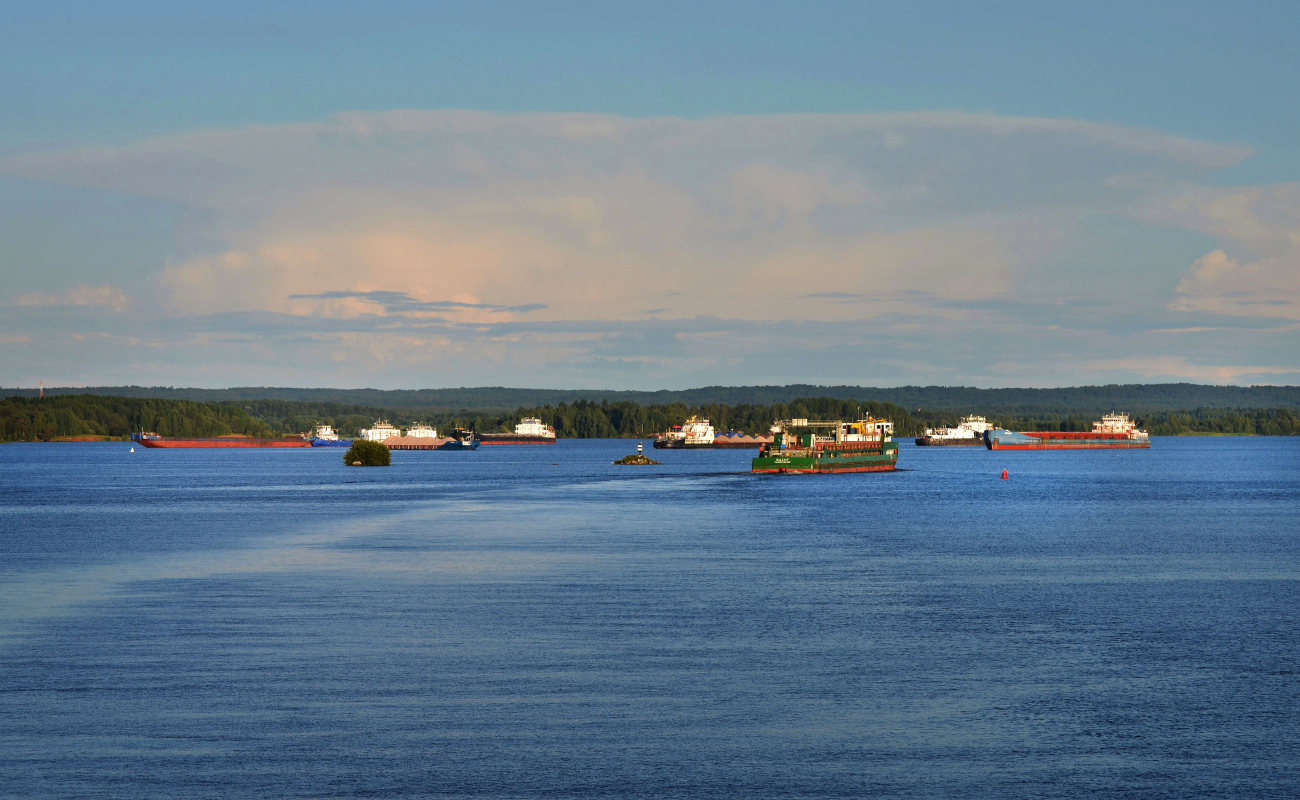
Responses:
[537,622]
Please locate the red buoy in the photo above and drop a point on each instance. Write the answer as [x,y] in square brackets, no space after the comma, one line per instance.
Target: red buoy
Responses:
[1004,474]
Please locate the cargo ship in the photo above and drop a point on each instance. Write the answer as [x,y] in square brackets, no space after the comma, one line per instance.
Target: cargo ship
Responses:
[969,433]
[1114,432]
[150,439]
[326,437]
[530,430]
[695,433]
[825,447]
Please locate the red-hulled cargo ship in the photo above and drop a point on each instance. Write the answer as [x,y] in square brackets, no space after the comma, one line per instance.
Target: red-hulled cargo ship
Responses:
[1114,432]
[154,440]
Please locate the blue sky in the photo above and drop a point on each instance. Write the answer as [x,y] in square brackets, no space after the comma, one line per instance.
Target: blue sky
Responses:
[997,194]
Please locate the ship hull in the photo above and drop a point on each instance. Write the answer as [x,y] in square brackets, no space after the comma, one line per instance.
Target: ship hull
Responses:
[738,445]
[458,444]
[676,445]
[513,438]
[827,462]
[428,443]
[331,443]
[207,443]
[935,441]
[1054,440]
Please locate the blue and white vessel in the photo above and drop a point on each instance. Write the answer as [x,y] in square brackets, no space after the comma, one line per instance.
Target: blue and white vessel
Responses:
[326,437]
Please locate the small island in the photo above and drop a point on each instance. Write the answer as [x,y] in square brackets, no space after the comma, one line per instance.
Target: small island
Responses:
[637,459]
[367,454]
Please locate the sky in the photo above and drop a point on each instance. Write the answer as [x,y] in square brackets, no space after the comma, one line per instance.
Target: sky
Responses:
[597,195]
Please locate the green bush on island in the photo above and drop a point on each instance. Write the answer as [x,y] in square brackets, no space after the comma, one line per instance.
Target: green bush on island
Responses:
[368,454]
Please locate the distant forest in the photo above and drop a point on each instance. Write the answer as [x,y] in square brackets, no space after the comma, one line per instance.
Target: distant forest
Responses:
[69,416]
[26,419]
[1083,400]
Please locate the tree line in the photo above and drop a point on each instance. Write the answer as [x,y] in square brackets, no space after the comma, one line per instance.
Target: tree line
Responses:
[64,416]
[29,419]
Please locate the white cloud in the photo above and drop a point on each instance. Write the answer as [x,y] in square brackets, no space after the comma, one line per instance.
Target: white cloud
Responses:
[1257,273]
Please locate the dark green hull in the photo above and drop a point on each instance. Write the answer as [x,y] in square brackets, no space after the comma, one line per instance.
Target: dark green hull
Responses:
[827,459]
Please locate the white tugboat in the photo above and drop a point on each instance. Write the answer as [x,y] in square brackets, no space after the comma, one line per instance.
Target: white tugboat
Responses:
[970,433]
[694,433]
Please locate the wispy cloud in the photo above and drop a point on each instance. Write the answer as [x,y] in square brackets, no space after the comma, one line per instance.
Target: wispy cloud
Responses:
[403,303]
[107,297]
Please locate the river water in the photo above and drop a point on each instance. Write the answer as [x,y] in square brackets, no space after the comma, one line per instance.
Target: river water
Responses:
[534,621]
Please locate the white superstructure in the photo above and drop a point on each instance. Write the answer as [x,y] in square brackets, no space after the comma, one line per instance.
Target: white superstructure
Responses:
[326,433]
[381,431]
[695,432]
[1118,423]
[422,431]
[532,426]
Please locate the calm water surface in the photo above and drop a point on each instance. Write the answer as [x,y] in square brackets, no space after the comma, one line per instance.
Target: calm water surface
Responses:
[529,622]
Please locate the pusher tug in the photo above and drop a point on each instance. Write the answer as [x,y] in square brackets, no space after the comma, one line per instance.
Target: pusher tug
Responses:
[695,433]
[823,447]
[969,433]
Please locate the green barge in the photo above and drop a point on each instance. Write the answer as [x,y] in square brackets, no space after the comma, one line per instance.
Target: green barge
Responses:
[821,447]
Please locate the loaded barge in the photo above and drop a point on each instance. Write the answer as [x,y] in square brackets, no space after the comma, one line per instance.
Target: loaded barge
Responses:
[825,447]
[1114,432]
[154,440]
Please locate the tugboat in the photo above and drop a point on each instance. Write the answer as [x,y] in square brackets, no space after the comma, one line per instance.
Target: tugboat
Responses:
[695,433]
[1114,432]
[825,447]
[969,433]
[326,437]
[461,439]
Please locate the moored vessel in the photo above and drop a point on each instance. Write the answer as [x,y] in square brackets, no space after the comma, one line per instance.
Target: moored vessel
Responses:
[379,432]
[738,440]
[695,433]
[1113,432]
[530,430]
[969,433]
[326,437]
[150,439]
[459,440]
[825,447]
